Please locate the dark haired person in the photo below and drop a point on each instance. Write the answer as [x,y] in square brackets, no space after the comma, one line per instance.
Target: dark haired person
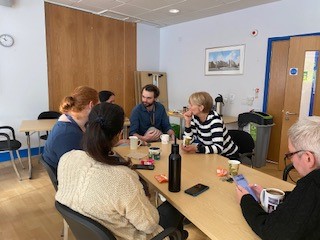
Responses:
[106,96]
[149,119]
[101,185]
[67,133]
[207,128]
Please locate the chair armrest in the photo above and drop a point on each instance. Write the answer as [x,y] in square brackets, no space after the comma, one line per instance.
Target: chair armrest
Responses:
[11,129]
[8,139]
[174,233]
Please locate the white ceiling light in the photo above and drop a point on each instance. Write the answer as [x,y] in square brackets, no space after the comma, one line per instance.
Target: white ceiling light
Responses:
[174,10]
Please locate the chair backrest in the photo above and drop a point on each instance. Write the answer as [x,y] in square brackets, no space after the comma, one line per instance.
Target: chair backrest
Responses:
[83,227]
[49,115]
[243,140]
[8,139]
[51,172]
[286,172]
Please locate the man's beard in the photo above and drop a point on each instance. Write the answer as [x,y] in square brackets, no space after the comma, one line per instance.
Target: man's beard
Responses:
[147,104]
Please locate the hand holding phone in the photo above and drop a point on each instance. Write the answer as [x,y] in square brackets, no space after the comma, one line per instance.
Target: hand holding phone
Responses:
[240,180]
[141,166]
[196,189]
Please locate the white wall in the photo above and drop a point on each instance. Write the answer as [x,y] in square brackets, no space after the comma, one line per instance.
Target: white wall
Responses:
[182,49]
[23,67]
[178,50]
[148,48]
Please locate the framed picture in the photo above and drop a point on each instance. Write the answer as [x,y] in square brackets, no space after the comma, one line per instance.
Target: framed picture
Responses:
[224,60]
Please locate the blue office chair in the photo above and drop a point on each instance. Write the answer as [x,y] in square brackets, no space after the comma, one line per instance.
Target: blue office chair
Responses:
[11,144]
[85,228]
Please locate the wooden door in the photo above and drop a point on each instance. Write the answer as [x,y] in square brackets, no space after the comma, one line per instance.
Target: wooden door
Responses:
[292,98]
[277,84]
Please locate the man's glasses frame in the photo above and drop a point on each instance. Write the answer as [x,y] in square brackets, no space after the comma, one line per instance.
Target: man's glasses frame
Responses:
[289,155]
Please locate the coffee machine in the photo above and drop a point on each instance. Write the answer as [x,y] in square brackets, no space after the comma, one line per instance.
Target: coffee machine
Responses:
[219,104]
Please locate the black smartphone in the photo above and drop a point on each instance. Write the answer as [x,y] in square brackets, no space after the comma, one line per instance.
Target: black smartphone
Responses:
[141,166]
[196,189]
[240,180]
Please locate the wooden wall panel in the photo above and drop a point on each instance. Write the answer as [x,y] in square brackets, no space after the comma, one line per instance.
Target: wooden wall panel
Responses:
[109,56]
[86,49]
[69,37]
[130,66]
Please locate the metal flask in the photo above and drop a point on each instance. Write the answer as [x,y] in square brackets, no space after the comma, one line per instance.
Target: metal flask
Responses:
[174,169]
[219,104]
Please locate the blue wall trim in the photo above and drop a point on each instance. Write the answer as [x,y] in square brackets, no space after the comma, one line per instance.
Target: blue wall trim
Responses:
[268,62]
[5,156]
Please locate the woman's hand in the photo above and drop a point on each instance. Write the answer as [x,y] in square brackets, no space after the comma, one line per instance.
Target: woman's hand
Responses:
[189,148]
[187,117]
[240,192]
[256,189]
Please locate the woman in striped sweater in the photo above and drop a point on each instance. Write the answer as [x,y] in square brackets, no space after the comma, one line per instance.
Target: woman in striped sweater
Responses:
[206,128]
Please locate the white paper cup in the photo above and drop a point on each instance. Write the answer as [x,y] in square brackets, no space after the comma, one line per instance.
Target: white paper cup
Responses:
[164,138]
[186,140]
[270,198]
[233,167]
[134,142]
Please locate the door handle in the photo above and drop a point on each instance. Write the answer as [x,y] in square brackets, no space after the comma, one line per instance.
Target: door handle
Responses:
[288,114]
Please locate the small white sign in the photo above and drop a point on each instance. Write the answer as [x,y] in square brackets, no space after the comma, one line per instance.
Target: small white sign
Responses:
[293,71]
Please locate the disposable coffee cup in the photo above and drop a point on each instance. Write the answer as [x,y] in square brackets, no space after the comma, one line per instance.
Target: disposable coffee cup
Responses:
[233,167]
[270,198]
[134,142]
[154,153]
[186,140]
[164,138]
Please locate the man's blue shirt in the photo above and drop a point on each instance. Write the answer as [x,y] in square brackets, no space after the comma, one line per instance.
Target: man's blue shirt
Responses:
[141,120]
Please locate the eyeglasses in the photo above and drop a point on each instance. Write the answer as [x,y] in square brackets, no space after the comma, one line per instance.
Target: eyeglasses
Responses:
[289,155]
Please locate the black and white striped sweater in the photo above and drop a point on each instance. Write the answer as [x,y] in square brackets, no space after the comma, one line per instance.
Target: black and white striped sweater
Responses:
[211,135]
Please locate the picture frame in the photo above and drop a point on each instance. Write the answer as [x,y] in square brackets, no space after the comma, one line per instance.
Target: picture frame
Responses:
[224,60]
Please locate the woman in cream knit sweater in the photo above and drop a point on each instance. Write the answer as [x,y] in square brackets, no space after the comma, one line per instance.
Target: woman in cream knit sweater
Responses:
[104,188]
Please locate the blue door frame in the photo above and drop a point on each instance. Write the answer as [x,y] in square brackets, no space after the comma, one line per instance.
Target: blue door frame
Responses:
[268,62]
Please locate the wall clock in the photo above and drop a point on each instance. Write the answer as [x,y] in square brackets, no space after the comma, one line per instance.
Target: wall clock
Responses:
[6,40]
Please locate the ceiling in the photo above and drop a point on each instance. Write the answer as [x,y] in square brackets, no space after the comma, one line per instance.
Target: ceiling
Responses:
[156,12]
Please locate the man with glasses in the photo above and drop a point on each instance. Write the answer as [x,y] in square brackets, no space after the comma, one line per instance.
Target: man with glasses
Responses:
[298,217]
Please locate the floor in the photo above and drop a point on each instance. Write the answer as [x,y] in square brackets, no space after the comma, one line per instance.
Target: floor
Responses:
[27,207]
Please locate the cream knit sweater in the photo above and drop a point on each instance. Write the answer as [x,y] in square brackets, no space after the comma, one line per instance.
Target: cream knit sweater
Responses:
[111,195]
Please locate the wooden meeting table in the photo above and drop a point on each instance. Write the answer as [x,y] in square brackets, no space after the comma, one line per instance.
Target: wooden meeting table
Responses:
[215,212]
[28,126]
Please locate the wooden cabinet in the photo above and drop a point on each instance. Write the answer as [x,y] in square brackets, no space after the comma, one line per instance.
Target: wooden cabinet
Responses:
[86,49]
